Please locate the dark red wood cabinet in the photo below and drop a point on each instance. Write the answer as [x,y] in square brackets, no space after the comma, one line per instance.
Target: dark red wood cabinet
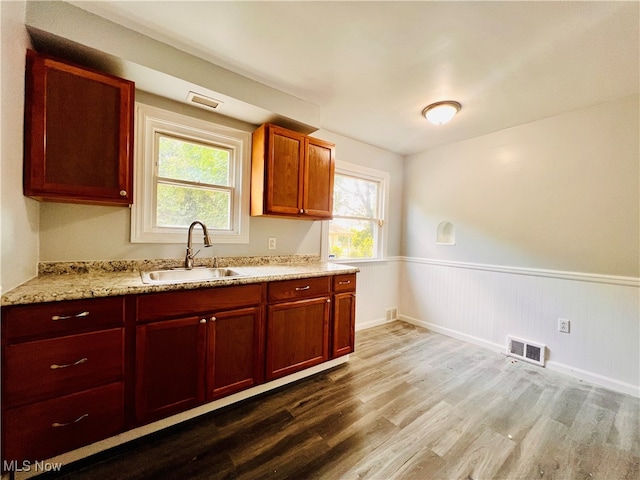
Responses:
[344,312]
[291,174]
[297,325]
[183,361]
[78,371]
[63,371]
[78,134]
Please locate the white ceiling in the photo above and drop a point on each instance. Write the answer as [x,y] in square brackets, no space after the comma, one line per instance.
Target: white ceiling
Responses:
[373,66]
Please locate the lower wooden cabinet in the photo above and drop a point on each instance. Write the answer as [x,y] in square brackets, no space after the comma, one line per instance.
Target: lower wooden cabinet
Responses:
[343,331]
[184,360]
[235,351]
[63,377]
[80,371]
[297,325]
[344,310]
[169,367]
[297,336]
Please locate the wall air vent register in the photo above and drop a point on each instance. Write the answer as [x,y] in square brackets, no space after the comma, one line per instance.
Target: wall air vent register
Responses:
[527,351]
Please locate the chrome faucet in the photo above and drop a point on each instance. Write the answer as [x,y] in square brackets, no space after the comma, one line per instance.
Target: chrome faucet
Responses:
[188,259]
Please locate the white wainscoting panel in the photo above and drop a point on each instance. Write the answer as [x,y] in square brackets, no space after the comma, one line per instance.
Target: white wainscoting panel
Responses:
[484,304]
[376,291]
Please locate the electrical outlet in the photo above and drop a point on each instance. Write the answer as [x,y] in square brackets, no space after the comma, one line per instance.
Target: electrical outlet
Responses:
[563,325]
[272,243]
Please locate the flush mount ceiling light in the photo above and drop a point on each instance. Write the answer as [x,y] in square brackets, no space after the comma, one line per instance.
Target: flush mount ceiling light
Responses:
[440,113]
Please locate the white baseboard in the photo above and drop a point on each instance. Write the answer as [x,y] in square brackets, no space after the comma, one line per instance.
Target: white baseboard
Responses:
[455,334]
[578,373]
[372,323]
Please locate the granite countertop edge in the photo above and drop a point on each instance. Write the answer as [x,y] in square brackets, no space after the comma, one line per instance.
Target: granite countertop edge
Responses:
[58,281]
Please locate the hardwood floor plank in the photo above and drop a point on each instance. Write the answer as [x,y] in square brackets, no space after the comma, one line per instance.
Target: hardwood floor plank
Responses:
[410,404]
[479,459]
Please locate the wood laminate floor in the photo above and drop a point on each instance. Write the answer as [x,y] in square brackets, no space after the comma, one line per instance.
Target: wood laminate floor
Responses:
[410,404]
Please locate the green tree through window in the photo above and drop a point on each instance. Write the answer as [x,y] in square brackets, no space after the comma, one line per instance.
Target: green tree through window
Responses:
[353,232]
[193,181]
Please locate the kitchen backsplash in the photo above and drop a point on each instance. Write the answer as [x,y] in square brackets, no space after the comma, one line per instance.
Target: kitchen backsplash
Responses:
[45,268]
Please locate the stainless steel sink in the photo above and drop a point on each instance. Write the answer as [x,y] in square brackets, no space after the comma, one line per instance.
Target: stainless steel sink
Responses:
[180,275]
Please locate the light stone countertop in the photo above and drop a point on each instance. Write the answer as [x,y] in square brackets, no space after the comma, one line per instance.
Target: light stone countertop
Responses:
[77,280]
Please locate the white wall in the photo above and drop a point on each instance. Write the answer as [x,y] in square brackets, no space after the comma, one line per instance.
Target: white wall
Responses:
[546,218]
[19,215]
[377,287]
[561,193]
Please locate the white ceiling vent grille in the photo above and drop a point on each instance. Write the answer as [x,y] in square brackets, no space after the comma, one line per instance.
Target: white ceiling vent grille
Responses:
[526,350]
[203,102]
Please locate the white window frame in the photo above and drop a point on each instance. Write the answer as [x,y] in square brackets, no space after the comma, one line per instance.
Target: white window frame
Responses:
[151,121]
[370,174]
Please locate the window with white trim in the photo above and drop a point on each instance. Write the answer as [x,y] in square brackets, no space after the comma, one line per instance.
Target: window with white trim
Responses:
[359,205]
[188,169]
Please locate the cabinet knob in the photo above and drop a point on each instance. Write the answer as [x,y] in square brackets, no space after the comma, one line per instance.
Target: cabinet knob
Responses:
[123,193]
[203,320]
[301,210]
[328,300]
[212,319]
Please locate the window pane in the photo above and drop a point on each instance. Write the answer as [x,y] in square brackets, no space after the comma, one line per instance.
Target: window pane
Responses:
[192,162]
[354,197]
[179,206]
[351,238]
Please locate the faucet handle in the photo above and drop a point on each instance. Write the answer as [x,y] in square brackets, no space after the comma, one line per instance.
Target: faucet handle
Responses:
[195,254]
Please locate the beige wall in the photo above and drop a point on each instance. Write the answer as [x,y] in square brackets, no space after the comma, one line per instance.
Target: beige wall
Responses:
[561,194]
[19,216]
[87,232]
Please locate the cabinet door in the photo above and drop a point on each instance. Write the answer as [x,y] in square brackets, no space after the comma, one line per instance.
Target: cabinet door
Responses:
[235,351]
[344,313]
[284,171]
[297,336]
[170,359]
[318,178]
[78,134]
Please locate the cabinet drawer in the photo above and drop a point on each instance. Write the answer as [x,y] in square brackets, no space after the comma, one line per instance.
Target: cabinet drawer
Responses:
[46,368]
[299,288]
[44,429]
[47,319]
[344,283]
[158,306]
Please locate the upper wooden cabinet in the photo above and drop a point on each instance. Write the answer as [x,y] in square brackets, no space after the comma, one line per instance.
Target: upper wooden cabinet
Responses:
[78,134]
[291,174]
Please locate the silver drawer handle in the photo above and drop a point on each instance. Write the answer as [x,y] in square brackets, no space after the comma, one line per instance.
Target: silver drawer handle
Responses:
[79,362]
[81,417]
[344,283]
[299,289]
[81,314]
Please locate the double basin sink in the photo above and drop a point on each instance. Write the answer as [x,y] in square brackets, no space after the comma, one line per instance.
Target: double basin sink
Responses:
[181,275]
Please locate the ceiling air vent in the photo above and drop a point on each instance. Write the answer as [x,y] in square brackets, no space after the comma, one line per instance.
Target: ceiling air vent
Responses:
[528,351]
[202,101]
